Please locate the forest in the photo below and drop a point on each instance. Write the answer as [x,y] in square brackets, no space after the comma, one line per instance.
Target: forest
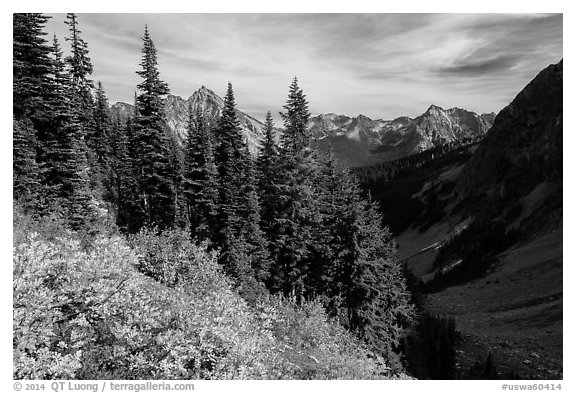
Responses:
[136,256]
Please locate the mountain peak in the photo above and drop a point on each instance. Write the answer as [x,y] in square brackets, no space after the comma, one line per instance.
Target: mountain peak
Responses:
[434,108]
[363,117]
[205,90]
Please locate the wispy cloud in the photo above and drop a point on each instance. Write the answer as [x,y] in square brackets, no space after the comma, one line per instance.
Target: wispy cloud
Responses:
[381,65]
[473,67]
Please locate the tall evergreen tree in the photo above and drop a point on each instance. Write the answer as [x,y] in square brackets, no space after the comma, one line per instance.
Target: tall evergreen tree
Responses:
[230,166]
[32,69]
[238,234]
[176,169]
[78,61]
[151,149]
[100,142]
[267,170]
[200,186]
[360,276]
[376,295]
[296,215]
[79,66]
[124,176]
[55,145]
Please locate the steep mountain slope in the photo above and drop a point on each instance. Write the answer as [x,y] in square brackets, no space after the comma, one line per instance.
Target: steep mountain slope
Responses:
[521,157]
[361,140]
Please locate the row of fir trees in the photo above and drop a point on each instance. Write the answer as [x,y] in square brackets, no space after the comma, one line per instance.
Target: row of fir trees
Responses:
[288,221]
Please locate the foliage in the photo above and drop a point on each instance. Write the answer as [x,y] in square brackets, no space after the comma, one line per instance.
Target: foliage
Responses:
[90,314]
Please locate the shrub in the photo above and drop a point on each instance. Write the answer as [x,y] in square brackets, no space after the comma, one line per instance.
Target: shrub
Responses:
[91,313]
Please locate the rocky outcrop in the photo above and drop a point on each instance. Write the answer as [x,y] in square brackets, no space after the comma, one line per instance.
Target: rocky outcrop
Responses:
[524,146]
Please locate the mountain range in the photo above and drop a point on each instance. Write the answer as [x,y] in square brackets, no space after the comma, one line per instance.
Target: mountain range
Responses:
[355,141]
[360,140]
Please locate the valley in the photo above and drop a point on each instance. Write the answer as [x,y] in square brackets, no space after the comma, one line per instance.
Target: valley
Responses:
[485,248]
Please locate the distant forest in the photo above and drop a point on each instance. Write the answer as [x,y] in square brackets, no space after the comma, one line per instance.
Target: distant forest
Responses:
[388,170]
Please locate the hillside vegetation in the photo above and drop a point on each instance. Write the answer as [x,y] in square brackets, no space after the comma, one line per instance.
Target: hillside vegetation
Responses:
[96,308]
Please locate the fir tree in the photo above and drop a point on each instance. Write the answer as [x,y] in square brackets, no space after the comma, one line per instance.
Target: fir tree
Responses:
[267,169]
[257,245]
[375,292]
[124,177]
[238,231]
[296,136]
[26,173]
[32,69]
[358,273]
[80,68]
[296,215]
[200,186]
[100,141]
[79,63]
[151,149]
[176,165]
[230,167]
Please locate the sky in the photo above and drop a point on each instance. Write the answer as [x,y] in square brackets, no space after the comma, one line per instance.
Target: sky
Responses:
[380,65]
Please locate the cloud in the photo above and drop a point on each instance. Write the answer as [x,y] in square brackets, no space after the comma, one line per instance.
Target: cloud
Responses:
[478,68]
[380,65]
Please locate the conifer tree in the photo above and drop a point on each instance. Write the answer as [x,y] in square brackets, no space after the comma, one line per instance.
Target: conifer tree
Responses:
[230,167]
[128,216]
[79,68]
[78,61]
[296,215]
[359,276]
[55,147]
[151,149]
[176,170]
[101,141]
[32,67]
[376,296]
[238,231]
[257,245]
[200,186]
[267,170]
[26,173]
[76,111]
